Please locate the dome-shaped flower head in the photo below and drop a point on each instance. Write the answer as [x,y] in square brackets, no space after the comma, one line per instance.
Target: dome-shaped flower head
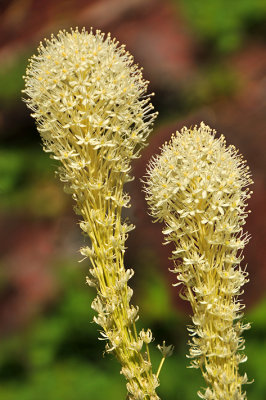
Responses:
[86,93]
[91,109]
[198,186]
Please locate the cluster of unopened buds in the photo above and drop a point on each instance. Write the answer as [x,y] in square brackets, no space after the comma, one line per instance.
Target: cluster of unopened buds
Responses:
[91,109]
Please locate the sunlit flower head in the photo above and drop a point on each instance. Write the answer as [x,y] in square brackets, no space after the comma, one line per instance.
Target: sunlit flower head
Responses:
[199,187]
[86,93]
[91,108]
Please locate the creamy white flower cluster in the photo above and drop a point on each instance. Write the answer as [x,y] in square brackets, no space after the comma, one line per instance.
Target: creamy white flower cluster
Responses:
[89,102]
[199,188]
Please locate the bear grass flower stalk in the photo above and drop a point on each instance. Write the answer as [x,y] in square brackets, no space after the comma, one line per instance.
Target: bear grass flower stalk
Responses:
[91,109]
[199,187]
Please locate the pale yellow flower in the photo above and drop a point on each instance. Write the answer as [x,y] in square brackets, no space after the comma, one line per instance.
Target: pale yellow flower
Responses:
[91,109]
[199,187]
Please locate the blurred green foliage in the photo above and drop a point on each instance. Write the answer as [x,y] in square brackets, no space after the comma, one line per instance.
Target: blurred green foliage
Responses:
[55,357]
[214,82]
[11,78]
[224,23]
[256,351]
[27,183]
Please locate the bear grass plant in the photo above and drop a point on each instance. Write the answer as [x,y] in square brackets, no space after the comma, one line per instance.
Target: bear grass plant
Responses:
[90,105]
[91,108]
[198,187]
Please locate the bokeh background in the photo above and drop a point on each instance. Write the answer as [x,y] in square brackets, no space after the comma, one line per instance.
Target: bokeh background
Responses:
[206,62]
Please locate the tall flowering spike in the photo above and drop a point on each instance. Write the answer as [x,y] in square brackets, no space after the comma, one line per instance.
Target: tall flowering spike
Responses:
[199,188]
[90,106]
